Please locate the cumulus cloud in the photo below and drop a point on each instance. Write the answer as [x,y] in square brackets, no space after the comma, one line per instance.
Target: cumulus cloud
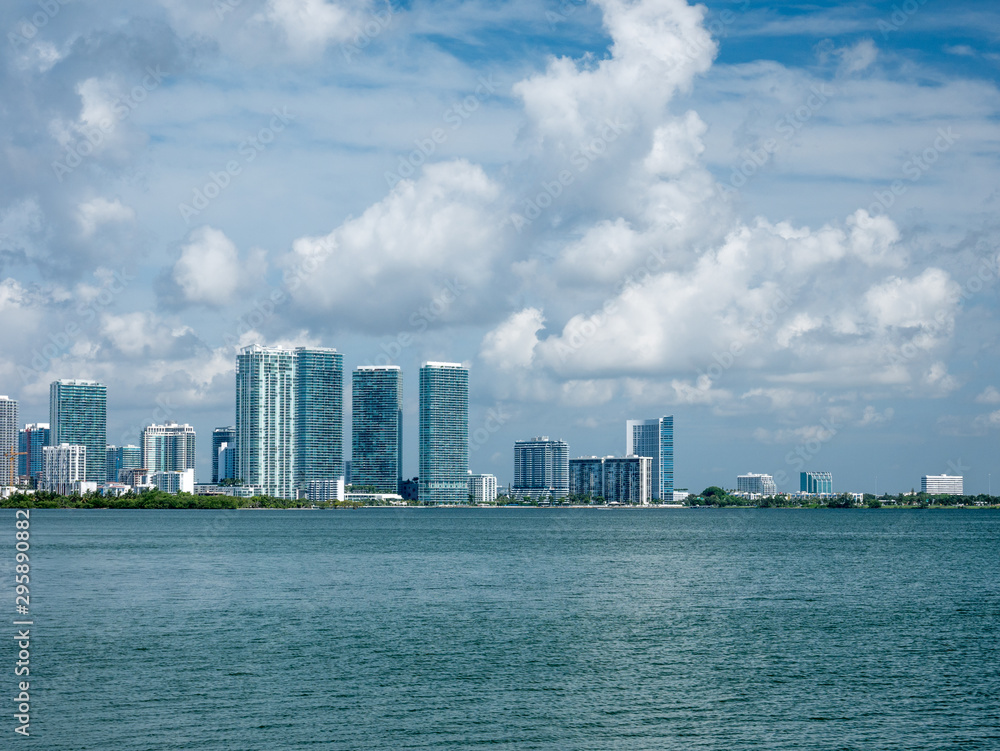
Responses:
[210,270]
[92,214]
[309,25]
[427,249]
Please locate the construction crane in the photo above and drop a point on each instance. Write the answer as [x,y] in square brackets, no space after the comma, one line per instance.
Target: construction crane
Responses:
[12,458]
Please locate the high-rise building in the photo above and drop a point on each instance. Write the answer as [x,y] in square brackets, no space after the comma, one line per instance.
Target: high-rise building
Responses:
[541,468]
[483,488]
[377,427]
[65,467]
[117,459]
[265,419]
[31,441]
[816,483]
[78,416]
[168,448]
[225,461]
[319,415]
[655,439]
[754,484]
[220,436]
[444,433]
[289,418]
[942,484]
[8,441]
[586,477]
[628,479]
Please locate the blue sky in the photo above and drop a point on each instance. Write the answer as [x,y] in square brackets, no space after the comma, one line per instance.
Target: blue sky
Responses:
[777,222]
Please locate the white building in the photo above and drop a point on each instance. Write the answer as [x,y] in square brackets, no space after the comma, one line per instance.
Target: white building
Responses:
[8,441]
[942,484]
[483,488]
[324,491]
[541,468]
[382,499]
[756,485]
[168,448]
[64,466]
[173,482]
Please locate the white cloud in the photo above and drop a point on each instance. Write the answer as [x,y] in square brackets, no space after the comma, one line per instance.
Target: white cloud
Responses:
[92,214]
[210,270]
[312,24]
[990,395]
[858,58]
[512,343]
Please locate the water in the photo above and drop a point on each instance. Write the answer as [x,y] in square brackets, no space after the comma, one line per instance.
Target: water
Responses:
[511,629]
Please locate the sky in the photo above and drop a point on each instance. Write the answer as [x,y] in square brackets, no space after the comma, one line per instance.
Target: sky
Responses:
[777,222]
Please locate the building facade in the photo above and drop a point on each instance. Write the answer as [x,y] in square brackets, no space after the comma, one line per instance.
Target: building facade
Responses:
[816,483]
[120,458]
[220,436]
[586,477]
[31,442]
[541,468]
[628,480]
[226,462]
[8,441]
[65,466]
[655,439]
[942,484]
[483,488]
[168,448]
[265,419]
[173,481]
[377,427]
[78,415]
[444,433]
[753,484]
[289,418]
[319,416]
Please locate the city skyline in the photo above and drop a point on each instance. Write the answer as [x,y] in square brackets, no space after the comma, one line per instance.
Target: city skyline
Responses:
[776,223]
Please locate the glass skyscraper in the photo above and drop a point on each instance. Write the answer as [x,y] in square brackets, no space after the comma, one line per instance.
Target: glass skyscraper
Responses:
[655,439]
[444,433]
[220,436]
[8,440]
[319,415]
[117,458]
[78,415]
[377,427]
[30,442]
[289,417]
[816,483]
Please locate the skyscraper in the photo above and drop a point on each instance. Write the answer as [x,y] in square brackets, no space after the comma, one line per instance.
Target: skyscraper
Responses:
[220,436]
[119,458]
[586,476]
[289,417]
[168,448]
[265,419]
[655,439]
[30,441]
[78,416]
[319,415]
[541,468]
[377,427]
[444,433]
[628,479]
[8,440]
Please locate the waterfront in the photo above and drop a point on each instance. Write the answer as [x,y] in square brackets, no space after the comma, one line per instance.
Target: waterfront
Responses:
[554,629]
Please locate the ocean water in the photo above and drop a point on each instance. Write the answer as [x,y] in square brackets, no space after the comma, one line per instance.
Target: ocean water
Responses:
[509,629]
